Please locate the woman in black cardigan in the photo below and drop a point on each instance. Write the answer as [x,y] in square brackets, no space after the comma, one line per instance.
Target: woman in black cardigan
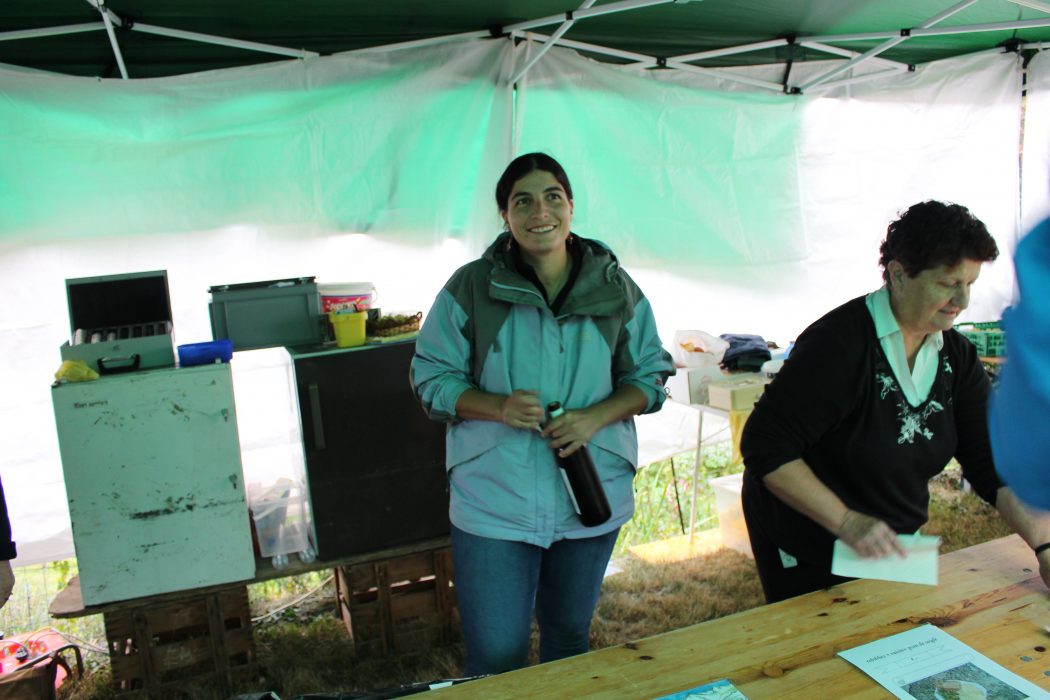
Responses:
[875,399]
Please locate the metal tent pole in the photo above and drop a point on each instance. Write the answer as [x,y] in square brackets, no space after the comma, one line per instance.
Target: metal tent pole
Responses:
[606,9]
[886,45]
[108,18]
[1033,4]
[52,31]
[558,34]
[846,53]
[224,41]
[726,75]
[417,43]
[728,51]
[934,31]
[640,60]
[987,27]
[859,79]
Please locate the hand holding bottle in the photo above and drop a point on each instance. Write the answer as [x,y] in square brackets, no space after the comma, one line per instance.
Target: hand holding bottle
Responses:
[571,430]
[581,477]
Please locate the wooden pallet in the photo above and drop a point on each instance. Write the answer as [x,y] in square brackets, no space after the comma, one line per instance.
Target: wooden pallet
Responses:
[399,604]
[156,649]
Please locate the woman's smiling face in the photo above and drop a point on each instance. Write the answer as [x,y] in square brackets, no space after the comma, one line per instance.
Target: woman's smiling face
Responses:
[538,214]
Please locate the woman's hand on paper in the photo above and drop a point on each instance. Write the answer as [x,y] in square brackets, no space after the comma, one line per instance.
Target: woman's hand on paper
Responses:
[1044,566]
[869,537]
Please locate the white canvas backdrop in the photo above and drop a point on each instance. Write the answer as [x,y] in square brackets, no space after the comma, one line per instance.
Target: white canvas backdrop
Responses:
[732,210]
[1035,190]
[352,168]
[751,213]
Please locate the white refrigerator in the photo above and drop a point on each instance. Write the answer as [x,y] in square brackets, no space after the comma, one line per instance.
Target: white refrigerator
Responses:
[153,476]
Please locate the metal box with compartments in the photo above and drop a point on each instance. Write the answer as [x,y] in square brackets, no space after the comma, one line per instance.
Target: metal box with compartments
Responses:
[120,322]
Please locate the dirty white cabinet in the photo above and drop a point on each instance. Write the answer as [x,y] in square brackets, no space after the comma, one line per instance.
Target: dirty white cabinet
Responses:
[153,477]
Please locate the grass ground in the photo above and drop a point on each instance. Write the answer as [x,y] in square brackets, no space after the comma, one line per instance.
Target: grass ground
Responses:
[303,647]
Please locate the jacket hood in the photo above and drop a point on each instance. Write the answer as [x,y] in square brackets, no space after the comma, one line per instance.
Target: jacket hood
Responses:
[598,289]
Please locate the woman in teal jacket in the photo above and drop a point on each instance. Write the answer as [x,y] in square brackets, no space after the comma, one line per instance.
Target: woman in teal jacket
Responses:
[542,316]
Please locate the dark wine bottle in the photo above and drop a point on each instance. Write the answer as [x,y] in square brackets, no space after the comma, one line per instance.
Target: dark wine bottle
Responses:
[581,480]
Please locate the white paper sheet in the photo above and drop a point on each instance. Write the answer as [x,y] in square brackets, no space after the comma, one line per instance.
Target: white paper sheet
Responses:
[927,663]
[920,566]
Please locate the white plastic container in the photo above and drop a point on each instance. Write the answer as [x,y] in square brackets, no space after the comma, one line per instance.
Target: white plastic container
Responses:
[347,295]
[282,522]
[731,523]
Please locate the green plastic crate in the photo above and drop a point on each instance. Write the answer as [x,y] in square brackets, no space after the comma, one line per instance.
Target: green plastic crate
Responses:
[988,337]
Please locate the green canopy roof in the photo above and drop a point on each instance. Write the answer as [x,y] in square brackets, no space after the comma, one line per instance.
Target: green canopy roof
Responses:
[147,32]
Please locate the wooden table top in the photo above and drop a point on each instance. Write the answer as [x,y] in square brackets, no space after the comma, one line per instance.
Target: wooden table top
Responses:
[990,597]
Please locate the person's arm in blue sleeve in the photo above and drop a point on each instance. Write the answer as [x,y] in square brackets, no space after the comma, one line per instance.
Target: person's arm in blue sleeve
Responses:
[440,371]
[1020,407]
[442,378]
[641,367]
[641,360]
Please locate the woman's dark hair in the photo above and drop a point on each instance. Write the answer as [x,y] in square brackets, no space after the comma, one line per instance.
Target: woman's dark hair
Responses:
[522,166]
[931,234]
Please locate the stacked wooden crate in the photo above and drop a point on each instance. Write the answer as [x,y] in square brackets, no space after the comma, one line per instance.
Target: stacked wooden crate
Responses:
[155,649]
[399,604]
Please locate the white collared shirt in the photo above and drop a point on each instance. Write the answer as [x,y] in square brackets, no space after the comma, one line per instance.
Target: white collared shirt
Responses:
[915,383]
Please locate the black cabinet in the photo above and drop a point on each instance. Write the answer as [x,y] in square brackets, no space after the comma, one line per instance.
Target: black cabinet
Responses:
[375,464]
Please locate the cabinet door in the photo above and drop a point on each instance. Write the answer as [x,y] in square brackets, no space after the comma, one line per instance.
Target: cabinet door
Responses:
[375,464]
[153,475]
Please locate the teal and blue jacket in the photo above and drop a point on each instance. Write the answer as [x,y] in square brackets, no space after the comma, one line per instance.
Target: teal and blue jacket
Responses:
[491,329]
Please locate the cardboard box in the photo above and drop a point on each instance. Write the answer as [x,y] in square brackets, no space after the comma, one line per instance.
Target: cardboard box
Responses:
[690,384]
[738,392]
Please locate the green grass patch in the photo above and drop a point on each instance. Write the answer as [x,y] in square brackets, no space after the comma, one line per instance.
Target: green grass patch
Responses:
[663,496]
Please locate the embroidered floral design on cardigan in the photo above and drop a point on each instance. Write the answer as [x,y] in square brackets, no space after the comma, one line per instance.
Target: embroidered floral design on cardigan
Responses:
[912,420]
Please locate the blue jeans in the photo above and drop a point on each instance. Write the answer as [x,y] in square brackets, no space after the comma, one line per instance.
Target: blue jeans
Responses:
[499,583]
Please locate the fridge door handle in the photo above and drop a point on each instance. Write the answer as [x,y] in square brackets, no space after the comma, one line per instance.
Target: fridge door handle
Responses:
[315,414]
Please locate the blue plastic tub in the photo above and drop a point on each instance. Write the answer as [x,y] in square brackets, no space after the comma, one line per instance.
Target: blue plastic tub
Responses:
[205,353]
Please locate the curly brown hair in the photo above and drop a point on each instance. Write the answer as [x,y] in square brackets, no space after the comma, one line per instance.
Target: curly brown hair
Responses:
[931,233]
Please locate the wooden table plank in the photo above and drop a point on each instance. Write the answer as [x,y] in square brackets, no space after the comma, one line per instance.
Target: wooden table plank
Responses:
[69,603]
[990,597]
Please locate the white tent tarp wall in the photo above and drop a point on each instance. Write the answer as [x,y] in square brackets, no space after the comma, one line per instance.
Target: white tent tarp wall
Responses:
[1035,184]
[756,213]
[736,212]
[352,168]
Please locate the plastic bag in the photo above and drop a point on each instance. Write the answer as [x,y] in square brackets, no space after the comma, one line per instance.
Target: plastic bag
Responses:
[75,371]
[698,349]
